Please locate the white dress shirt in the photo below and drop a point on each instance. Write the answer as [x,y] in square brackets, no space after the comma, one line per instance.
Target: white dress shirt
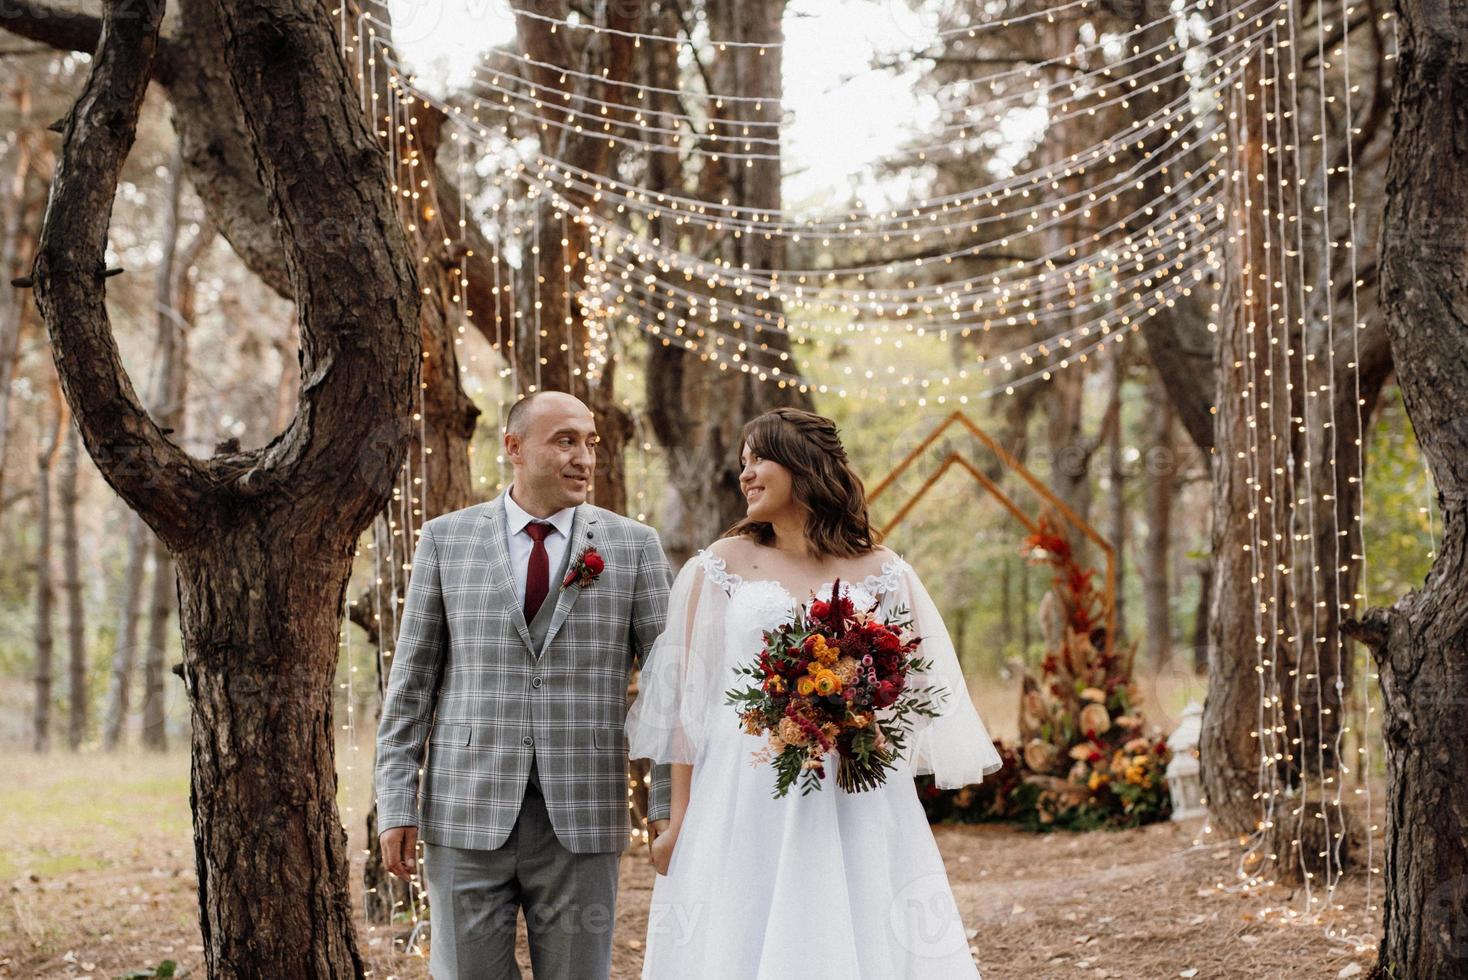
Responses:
[521,543]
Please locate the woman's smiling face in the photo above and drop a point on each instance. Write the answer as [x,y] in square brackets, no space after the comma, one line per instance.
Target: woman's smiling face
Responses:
[768,487]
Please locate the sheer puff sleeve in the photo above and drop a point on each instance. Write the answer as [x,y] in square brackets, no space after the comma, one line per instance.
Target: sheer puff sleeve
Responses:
[677,691]
[954,746]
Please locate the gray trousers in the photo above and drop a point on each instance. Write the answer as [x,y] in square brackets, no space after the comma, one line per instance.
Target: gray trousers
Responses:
[475,896]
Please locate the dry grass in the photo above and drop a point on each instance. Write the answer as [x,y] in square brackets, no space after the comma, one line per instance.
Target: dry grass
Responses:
[99,881]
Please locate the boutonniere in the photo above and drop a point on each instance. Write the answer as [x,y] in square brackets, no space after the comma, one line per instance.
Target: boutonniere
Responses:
[585,569]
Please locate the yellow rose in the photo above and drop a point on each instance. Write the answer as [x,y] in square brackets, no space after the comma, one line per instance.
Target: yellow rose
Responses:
[827,683]
[805,686]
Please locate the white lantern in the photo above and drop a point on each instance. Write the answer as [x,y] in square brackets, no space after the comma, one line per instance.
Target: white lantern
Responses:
[1184,779]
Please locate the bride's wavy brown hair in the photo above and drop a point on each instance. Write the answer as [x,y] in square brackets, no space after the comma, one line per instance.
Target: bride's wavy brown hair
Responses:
[808,445]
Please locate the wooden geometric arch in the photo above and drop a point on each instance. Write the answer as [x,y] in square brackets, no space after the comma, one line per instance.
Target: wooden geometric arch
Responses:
[1015,466]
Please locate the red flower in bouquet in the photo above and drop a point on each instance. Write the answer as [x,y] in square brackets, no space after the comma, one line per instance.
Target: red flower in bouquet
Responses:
[835,679]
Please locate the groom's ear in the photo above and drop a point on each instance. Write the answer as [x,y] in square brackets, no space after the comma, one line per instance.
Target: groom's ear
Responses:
[512,447]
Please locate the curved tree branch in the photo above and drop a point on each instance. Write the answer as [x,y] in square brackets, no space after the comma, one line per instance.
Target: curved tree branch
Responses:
[350,266]
[153,475]
[70,30]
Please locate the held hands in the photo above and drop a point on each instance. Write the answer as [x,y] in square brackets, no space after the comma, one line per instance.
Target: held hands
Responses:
[399,850]
[664,838]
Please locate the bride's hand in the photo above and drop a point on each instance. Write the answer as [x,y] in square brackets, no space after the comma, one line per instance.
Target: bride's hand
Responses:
[662,849]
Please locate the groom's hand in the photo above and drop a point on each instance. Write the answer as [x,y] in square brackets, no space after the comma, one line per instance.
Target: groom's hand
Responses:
[399,850]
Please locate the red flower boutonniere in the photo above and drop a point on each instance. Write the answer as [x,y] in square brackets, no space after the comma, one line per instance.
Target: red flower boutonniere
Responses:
[585,569]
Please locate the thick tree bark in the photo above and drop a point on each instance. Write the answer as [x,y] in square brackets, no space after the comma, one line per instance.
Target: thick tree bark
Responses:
[78,690]
[264,768]
[263,539]
[1420,643]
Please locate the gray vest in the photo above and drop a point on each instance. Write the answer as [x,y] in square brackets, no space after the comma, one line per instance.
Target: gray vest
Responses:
[541,625]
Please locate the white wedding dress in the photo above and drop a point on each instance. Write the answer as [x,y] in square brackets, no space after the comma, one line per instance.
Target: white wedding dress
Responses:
[828,885]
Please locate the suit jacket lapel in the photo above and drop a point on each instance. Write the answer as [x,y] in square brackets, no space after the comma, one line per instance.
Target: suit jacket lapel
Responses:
[501,575]
[583,533]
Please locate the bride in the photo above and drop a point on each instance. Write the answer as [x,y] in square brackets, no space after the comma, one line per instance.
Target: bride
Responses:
[830,884]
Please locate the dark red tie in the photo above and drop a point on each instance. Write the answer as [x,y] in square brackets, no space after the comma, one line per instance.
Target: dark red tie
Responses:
[537,573]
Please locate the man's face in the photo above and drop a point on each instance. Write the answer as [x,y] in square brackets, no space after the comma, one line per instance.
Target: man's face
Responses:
[555,456]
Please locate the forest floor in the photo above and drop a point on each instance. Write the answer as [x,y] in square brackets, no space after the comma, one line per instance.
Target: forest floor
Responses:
[99,881]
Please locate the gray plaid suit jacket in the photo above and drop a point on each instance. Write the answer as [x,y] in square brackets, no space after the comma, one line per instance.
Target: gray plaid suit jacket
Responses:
[466,681]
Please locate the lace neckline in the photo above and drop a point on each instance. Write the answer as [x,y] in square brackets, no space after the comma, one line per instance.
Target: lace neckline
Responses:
[875,584]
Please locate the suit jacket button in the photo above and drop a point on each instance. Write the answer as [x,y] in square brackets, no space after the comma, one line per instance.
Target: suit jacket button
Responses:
[528,741]
[535,682]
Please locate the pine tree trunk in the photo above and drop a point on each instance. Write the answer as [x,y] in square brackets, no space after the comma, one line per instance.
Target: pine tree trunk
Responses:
[1229,749]
[1006,604]
[1201,613]
[1160,475]
[45,585]
[78,689]
[125,648]
[270,849]
[1117,512]
[20,203]
[1420,643]
[155,675]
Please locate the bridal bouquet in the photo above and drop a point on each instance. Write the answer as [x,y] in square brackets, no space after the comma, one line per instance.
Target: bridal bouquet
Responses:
[834,678]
